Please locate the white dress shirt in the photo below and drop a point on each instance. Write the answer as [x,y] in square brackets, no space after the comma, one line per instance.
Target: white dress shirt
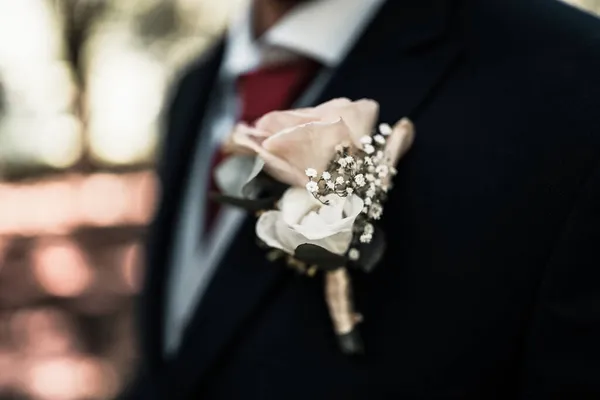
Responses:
[323,30]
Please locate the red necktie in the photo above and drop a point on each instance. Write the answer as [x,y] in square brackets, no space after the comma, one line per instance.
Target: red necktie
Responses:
[261,91]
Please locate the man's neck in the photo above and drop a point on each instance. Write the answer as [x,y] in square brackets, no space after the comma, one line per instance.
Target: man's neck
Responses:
[266,13]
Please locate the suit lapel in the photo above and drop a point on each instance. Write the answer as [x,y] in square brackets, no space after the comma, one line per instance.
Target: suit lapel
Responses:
[400,59]
[405,54]
[243,281]
[186,112]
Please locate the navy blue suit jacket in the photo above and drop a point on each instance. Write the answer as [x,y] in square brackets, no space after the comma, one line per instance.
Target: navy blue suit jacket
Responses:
[490,287]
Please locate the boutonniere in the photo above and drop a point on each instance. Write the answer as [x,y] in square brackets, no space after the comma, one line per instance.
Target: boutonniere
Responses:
[319,181]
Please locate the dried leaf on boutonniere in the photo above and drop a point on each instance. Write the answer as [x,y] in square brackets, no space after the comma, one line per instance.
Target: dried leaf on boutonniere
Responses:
[254,191]
[316,255]
[322,176]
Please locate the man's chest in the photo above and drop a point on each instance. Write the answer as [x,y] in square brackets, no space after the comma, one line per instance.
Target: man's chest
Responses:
[445,313]
[476,209]
[470,224]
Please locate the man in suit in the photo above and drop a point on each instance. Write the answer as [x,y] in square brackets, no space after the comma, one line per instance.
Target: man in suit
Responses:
[490,287]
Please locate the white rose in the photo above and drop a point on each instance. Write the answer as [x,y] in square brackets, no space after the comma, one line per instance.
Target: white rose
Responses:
[303,219]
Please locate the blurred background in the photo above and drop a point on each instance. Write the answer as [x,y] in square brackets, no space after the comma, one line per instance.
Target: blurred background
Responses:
[82,88]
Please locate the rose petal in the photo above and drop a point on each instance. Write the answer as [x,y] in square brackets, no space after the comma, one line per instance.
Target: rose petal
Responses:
[276,167]
[324,218]
[267,232]
[333,104]
[314,222]
[307,223]
[308,146]
[399,141]
[276,121]
[290,239]
[249,190]
[354,206]
[296,203]
[282,171]
[233,173]
[337,243]
[245,139]
[272,229]
[334,211]
[360,116]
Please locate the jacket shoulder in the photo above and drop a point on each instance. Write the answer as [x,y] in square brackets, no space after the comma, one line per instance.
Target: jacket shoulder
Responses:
[548,54]
[534,27]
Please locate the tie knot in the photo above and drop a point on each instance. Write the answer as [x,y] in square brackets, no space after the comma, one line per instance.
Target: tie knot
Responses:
[274,87]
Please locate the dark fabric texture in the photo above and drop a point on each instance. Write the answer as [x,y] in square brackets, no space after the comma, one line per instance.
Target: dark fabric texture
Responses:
[490,287]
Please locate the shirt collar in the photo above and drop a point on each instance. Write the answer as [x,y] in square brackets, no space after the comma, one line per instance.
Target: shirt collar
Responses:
[323,30]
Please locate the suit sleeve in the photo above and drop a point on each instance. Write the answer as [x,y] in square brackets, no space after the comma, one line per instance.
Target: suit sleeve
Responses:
[562,353]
